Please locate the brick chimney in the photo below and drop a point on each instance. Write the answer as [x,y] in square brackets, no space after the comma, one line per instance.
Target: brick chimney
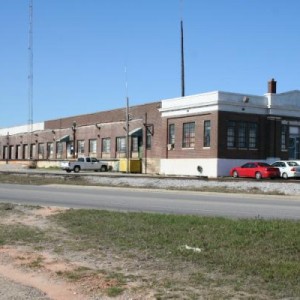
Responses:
[272,86]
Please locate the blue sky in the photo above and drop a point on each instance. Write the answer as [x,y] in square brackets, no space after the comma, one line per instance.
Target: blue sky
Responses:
[82,47]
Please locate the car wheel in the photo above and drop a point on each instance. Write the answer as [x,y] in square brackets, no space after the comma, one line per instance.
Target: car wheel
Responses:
[258,175]
[103,169]
[68,171]
[76,169]
[235,174]
[285,176]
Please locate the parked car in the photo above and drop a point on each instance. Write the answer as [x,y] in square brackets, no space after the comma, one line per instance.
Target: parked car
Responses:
[288,168]
[84,163]
[256,170]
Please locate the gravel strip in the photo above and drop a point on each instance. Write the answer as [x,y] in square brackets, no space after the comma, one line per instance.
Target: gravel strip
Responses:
[268,187]
[10,290]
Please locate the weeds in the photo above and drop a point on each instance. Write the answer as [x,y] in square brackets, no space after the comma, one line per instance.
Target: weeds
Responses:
[266,251]
[20,234]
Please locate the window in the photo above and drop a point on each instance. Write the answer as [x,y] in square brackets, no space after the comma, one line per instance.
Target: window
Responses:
[80,147]
[106,145]
[18,152]
[49,150]
[149,133]
[242,135]
[206,141]
[121,144]
[70,149]
[252,135]
[41,150]
[59,150]
[231,134]
[188,139]
[171,136]
[135,144]
[4,152]
[92,146]
[284,137]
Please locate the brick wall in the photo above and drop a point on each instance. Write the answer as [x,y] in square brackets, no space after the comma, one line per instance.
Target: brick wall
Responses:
[268,142]
[198,151]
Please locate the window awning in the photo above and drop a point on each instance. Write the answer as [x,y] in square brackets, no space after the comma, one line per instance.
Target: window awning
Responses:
[136,132]
[65,138]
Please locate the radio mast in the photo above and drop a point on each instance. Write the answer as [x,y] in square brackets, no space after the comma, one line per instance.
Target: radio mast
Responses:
[30,69]
[182,53]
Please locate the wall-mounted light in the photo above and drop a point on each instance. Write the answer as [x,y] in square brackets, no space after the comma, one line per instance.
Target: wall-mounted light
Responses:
[98,126]
[245,99]
[74,125]
[53,131]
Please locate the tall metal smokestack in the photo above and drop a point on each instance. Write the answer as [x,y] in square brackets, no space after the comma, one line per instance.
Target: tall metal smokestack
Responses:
[182,62]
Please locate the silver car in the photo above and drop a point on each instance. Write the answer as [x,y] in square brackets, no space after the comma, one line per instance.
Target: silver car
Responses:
[288,168]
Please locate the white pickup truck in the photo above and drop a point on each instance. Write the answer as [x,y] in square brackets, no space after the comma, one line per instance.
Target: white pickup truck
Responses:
[85,163]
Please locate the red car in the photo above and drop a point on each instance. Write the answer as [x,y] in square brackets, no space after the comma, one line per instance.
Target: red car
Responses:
[256,170]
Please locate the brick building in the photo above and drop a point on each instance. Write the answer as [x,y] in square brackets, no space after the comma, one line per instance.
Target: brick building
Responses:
[204,134]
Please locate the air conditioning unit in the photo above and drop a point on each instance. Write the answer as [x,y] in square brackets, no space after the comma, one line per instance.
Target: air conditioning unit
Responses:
[170,146]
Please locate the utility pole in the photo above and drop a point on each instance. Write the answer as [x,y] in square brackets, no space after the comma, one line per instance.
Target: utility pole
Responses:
[127,125]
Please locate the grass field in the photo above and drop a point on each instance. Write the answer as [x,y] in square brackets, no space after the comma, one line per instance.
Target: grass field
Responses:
[252,257]
[263,253]
[179,256]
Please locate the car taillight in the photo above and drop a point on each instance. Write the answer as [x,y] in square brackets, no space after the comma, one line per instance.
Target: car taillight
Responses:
[293,170]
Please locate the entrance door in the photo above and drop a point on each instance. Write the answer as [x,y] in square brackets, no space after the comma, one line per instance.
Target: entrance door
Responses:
[294,147]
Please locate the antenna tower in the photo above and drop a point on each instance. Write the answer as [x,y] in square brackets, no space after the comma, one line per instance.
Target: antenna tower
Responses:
[30,69]
[182,54]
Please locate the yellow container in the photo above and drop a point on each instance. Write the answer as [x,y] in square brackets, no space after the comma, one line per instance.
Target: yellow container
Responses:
[134,165]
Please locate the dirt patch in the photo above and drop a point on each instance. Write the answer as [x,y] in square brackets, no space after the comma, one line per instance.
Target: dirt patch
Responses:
[43,274]
[34,268]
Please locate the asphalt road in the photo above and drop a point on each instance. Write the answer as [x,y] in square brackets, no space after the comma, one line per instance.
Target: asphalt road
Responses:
[177,202]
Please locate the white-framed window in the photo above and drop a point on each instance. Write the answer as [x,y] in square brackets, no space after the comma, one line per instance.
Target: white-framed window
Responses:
[121,144]
[59,150]
[106,145]
[92,146]
[80,147]
[50,150]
